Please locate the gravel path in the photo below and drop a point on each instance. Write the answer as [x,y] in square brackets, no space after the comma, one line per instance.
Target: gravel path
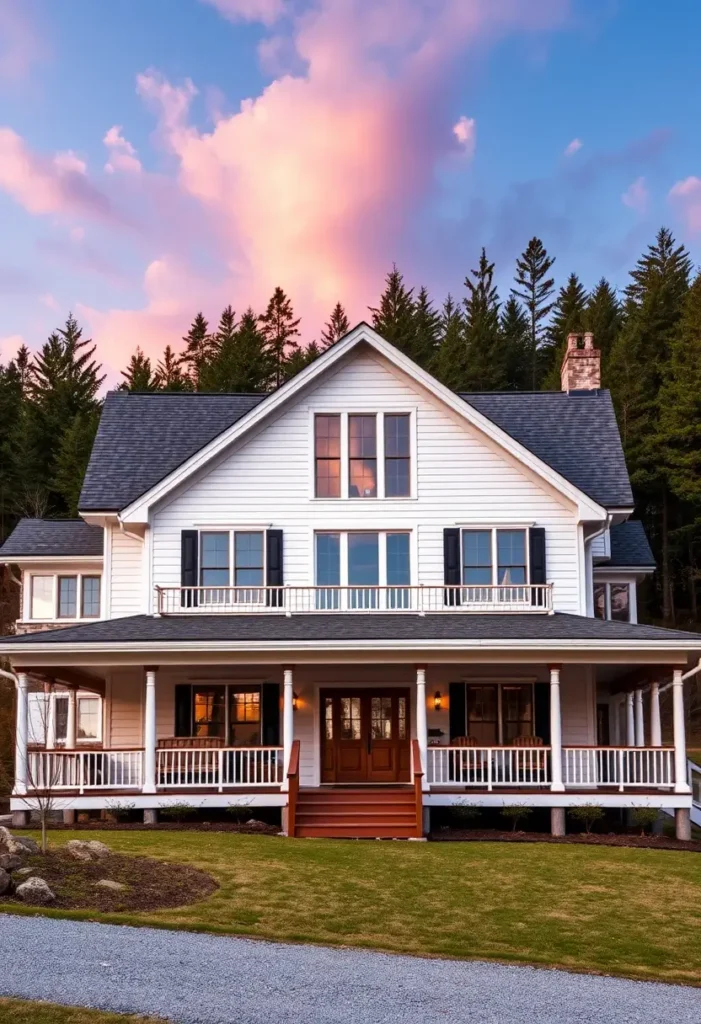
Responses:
[202,979]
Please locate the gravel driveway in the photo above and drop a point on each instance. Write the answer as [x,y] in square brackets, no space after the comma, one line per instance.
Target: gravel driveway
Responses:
[193,978]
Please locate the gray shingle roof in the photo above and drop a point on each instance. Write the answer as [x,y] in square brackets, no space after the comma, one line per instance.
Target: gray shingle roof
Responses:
[47,537]
[629,545]
[576,434]
[358,627]
[144,437]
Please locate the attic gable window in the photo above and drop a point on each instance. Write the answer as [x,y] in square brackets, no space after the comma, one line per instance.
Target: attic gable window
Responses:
[364,455]
[327,456]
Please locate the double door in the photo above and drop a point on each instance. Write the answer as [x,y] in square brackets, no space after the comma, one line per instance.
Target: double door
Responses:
[365,735]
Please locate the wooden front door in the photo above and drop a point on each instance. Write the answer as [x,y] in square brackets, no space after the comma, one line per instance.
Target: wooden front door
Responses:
[365,735]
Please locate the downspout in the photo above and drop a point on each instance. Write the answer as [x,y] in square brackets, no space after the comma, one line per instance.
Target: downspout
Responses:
[127,533]
[589,563]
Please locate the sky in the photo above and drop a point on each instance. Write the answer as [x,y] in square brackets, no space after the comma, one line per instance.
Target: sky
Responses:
[169,156]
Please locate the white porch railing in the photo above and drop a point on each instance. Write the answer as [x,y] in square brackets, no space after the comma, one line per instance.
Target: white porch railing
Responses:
[49,770]
[486,767]
[218,768]
[620,767]
[534,597]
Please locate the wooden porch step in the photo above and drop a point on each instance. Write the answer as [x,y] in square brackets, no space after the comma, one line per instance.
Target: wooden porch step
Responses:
[354,832]
[357,813]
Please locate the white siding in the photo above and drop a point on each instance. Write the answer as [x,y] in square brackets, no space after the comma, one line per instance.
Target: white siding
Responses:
[125,692]
[462,477]
[126,568]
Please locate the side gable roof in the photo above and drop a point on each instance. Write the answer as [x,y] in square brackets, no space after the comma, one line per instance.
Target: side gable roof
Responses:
[46,538]
[630,546]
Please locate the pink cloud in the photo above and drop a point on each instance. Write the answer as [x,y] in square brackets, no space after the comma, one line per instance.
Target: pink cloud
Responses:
[122,155]
[636,196]
[686,195]
[48,184]
[465,131]
[573,147]
[21,44]
[9,346]
[267,11]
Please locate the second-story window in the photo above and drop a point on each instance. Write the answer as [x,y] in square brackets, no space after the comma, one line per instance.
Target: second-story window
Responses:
[90,597]
[488,559]
[362,456]
[214,560]
[327,456]
[511,557]
[64,597]
[612,601]
[248,560]
[397,456]
[43,602]
[67,597]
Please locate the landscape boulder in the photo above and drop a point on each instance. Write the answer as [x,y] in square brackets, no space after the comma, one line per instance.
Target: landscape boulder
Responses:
[87,850]
[29,844]
[10,861]
[22,872]
[107,883]
[10,844]
[36,891]
[5,882]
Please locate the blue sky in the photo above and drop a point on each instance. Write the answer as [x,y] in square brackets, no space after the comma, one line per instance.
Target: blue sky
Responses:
[345,159]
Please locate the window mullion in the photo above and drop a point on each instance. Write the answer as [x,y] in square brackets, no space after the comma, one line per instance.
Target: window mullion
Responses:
[495,565]
[380,453]
[345,462]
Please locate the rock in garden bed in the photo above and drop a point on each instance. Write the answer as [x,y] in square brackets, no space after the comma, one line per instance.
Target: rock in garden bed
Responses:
[454,835]
[36,891]
[136,883]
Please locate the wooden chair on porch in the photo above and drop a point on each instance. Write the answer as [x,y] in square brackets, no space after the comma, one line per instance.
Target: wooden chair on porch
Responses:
[462,768]
[537,766]
[180,770]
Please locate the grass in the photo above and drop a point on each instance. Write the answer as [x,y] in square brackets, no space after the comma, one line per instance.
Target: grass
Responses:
[18,1011]
[631,912]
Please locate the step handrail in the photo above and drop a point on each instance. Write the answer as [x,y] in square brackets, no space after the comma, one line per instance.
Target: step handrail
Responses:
[418,786]
[293,788]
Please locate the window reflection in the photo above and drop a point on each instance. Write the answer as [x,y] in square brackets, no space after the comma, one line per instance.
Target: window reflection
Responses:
[362,451]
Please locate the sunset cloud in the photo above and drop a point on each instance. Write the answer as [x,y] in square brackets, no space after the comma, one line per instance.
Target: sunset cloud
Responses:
[573,147]
[686,196]
[266,11]
[122,155]
[465,131]
[21,44]
[636,196]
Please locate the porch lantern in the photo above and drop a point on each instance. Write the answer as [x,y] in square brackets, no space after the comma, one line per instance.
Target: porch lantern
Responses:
[295,701]
[437,700]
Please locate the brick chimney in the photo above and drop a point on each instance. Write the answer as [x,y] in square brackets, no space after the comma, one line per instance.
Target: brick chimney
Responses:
[581,367]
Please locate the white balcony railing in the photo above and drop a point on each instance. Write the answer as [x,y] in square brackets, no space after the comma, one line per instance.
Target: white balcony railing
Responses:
[486,767]
[54,770]
[533,597]
[619,767]
[219,767]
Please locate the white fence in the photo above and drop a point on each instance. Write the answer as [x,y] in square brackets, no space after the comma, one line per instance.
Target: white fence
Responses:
[620,767]
[218,768]
[49,770]
[486,767]
[535,597]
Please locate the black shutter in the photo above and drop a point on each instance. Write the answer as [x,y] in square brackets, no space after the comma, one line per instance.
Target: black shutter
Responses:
[452,569]
[183,709]
[457,710]
[536,540]
[273,542]
[270,708]
[541,701]
[189,541]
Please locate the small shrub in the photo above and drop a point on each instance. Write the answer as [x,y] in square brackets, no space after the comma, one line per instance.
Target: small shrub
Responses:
[515,813]
[239,812]
[588,815]
[644,818]
[119,811]
[179,812]
[464,815]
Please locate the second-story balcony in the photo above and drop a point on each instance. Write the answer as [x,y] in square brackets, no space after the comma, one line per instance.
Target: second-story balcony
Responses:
[291,600]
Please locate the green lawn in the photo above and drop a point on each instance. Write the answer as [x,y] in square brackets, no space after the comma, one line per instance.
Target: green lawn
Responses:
[17,1011]
[617,911]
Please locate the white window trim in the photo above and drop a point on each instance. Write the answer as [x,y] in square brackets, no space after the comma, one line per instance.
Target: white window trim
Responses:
[613,582]
[466,528]
[54,577]
[80,695]
[382,535]
[232,531]
[380,449]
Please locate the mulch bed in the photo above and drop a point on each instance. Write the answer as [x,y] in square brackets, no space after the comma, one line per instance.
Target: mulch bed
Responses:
[162,826]
[594,839]
[151,884]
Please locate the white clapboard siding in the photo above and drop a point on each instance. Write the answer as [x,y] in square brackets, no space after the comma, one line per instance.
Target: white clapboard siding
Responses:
[126,579]
[124,708]
[462,477]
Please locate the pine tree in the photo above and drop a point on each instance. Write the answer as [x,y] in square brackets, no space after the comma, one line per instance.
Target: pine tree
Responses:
[450,361]
[337,327]
[72,458]
[568,317]
[514,327]
[394,319]
[486,365]
[427,326]
[200,347]
[604,318]
[169,375]
[11,403]
[280,330]
[532,269]
[138,375]
[242,363]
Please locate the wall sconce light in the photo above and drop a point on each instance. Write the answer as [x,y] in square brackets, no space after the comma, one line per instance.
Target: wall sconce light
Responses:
[295,701]
[437,700]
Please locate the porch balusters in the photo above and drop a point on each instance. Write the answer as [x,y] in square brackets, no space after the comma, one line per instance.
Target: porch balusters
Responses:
[639,720]
[149,785]
[655,720]
[21,734]
[681,784]
[421,720]
[288,722]
[556,784]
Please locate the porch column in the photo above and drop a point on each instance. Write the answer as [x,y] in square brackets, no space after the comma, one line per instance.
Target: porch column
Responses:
[421,721]
[49,717]
[149,781]
[71,720]
[680,772]
[655,720]
[556,784]
[639,719]
[288,720]
[630,720]
[21,734]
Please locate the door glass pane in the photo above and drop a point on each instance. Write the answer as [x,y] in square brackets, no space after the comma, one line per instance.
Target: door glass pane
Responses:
[350,718]
[328,569]
[600,600]
[620,602]
[381,718]
[328,717]
[398,569]
[477,557]
[43,597]
[90,598]
[214,561]
[362,452]
[244,716]
[517,711]
[208,711]
[67,597]
[402,718]
[482,714]
[511,556]
[363,569]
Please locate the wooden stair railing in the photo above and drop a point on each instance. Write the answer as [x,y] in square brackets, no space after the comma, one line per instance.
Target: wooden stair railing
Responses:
[418,786]
[293,788]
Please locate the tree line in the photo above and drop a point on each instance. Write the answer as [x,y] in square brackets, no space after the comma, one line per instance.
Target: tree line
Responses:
[649,335]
